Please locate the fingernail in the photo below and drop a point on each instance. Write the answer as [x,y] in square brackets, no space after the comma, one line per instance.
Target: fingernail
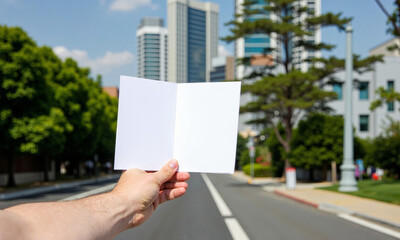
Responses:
[173,163]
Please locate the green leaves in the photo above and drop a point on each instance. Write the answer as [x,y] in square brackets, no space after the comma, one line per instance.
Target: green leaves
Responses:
[50,107]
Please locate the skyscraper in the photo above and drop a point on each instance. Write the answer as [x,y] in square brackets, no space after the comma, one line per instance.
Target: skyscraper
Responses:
[152,49]
[193,40]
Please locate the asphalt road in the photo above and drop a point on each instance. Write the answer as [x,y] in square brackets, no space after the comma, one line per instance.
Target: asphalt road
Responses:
[261,215]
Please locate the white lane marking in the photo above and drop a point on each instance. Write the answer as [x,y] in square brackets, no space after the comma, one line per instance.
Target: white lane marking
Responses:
[221,205]
[89,193]
[233,225]
[370,225]
[236,230]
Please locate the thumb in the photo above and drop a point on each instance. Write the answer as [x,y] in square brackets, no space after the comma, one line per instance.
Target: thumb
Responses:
[167,171]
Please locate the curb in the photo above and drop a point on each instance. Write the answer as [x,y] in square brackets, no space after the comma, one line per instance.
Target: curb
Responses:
[312,204]
[333,208]
[39,190]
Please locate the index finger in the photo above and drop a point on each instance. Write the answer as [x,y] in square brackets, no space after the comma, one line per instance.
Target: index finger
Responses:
[180,176]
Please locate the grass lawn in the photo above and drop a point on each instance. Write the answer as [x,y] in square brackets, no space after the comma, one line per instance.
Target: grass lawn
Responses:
[385,190]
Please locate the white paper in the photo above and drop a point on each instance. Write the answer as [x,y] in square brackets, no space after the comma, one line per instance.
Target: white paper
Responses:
[195,123]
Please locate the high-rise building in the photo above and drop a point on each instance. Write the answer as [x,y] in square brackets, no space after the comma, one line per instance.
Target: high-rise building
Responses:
[151,40]
[193,40]
[257,46]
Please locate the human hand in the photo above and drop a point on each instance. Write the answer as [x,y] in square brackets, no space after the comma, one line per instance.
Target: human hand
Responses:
[142,191]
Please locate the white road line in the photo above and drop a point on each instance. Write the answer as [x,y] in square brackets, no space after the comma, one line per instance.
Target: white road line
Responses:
[89,193]
[221,205]
[233,225]
[235,229]
[370,225]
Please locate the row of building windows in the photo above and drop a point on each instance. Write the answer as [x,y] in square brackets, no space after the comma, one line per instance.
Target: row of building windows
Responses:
[363,93]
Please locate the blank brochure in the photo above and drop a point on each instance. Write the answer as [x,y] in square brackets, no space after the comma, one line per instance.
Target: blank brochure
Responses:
[195,123]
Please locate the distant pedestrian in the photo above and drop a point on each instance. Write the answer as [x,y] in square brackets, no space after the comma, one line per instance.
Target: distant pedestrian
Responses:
[357,172]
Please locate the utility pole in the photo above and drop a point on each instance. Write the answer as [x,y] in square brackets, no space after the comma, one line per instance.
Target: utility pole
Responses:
[348,182]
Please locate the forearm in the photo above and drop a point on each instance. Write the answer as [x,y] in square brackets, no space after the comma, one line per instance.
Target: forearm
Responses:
[97,217]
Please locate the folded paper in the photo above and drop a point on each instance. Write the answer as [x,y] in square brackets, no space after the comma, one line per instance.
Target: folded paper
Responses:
[195,123]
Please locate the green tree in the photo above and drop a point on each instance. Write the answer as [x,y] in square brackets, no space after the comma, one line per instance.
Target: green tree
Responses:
[282,95]
[50,108]
[25,91]
[318,141]
[84,104]
[384,151]
[241,147]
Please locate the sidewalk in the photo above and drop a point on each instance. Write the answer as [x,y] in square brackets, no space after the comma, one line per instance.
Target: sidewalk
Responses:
[307,193]
[59,186]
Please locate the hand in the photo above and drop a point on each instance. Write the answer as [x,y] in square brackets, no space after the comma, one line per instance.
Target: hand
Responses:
[143,191]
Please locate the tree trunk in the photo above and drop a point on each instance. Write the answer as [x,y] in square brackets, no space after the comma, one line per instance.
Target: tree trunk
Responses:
[46,168]
[58,166]
[10,171]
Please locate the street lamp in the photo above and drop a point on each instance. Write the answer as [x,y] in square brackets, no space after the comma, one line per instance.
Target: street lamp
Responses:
[348,182]
[252,154]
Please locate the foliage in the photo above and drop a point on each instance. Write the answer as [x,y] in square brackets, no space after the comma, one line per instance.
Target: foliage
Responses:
[393,22]
[50,108]
[318,141]
[385,96]
[386,190]
[241,147]
[277,152]
[385,149]
[259,170]
[281,96]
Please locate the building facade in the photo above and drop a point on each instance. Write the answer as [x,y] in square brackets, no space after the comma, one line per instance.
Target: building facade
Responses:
[193,40]
[367,123]
[152,42]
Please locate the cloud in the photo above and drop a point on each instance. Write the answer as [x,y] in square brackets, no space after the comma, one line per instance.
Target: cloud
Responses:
[223,52]
[100,65]
[129,5]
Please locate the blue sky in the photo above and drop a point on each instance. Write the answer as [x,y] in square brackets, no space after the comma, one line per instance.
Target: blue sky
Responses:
[101,33]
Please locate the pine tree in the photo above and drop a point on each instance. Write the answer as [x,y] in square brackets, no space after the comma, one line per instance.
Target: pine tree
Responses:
[282,96]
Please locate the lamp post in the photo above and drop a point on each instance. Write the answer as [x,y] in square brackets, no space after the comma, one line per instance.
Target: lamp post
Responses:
[348,182]
[252,154]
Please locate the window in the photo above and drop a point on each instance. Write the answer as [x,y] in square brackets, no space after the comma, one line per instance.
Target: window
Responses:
[363,88]
[364,123]
[390,87]
[337,88]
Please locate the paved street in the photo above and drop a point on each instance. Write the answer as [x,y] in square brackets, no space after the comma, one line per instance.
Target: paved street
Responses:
[260,214]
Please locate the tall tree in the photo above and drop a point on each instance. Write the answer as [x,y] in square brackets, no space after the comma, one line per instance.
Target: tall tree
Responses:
[282,92]
[24,90]
[318,141]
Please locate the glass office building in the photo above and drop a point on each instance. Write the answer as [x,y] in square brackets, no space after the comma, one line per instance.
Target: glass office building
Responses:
[152,49]
[193,40]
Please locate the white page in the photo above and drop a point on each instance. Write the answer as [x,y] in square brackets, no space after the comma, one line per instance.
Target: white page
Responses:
[146,122]
[197,126]
[206,126]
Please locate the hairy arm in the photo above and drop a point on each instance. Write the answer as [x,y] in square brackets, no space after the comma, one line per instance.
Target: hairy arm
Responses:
[103,216]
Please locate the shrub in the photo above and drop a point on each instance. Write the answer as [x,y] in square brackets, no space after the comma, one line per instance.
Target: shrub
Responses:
[259,170]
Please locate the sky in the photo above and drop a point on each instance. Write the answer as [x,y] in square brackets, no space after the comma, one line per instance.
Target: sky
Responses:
[101,34]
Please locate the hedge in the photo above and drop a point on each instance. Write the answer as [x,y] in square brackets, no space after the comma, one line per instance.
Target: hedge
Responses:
[259,170]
